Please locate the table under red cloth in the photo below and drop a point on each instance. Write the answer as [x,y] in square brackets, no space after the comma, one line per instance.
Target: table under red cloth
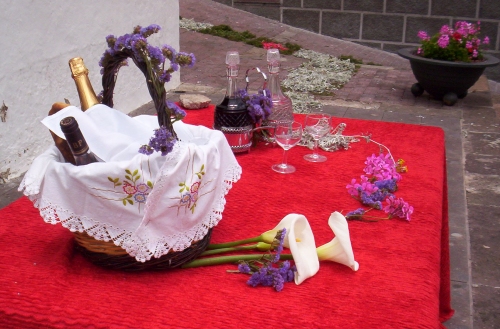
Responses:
[403,280]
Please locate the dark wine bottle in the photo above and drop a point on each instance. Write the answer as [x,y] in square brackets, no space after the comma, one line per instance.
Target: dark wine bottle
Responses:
[76,142]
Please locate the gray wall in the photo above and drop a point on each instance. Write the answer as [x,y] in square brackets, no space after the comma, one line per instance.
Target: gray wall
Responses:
[383,24]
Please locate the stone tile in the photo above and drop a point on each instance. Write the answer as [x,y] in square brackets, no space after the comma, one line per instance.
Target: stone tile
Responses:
[292,3]
[341,25]
[481,120]
[482,189]
[489,9]
[486,305]
[482,164]
[483,143]
[484,227]
[323,4]
[388,28]
[393,116]
[9,192]
[356,113]
[478,99]
[271,11]
[407,7]
[364,5]
[304,19]
[336,111]
[460,302]
[460,8]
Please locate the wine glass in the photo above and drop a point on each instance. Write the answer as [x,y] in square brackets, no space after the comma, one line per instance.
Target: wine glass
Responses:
[317,125]
[287,135]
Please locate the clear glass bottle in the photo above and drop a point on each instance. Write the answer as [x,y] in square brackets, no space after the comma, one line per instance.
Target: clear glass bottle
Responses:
[80,74]
[282,105]
[76,142]
[231,115]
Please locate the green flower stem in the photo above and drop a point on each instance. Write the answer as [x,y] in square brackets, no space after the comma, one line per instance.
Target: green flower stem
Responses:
[229,260]
[224,250]
[234,243]
[221,260]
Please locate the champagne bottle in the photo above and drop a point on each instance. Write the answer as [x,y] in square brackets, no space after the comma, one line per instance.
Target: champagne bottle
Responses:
[76,142]
[80,74]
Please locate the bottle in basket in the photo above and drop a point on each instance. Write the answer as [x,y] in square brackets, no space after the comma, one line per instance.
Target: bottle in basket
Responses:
[231,115]
[80,74]
[282,105]
[76,142]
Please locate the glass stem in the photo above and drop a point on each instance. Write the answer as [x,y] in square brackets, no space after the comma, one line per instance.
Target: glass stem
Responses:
[284,161]
[315,147]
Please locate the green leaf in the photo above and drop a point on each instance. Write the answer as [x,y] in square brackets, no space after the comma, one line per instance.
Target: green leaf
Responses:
[128,177]
[135,179]
[124,202]
[202,167]
[130,201]
[149,184]
[111,179]
[118,184]
[116,180]
[128,171]
[135,172]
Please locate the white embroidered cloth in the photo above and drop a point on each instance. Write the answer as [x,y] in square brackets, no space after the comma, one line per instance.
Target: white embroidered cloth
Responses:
[146,204]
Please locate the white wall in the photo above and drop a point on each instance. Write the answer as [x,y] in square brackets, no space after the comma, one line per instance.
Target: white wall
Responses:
[37,40]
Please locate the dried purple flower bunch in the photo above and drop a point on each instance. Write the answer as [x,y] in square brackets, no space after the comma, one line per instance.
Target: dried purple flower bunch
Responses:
[378,186]
[270,272]
[259,105]
[157,65]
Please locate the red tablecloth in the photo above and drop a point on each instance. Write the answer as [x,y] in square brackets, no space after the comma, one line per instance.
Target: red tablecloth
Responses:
[403,280]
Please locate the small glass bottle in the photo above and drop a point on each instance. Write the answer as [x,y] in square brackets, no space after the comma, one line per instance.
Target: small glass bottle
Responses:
[80,74]
[76,142]
[282,110]
[231,115]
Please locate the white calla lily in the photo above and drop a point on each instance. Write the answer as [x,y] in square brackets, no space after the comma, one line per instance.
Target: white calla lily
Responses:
[300,239]
[338,250]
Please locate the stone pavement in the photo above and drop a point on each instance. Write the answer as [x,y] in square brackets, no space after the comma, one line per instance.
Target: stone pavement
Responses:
[472,129]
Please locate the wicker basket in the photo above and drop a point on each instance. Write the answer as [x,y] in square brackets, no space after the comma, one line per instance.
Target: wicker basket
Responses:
[107,254]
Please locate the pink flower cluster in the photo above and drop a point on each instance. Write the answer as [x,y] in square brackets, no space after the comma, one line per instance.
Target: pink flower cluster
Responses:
[463,35]
[377,186]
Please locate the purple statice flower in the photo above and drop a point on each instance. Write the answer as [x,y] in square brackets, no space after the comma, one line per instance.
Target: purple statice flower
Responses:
[398,208]
[259,105]
[443,41]
[149,30]
[389,185]
[380,195]
[163,141]
[368,200]
[279,248]
[165,77]
[110,40]
[355,214]
[243,267]
[174,66]
[185,59]
[287,271]
[156,55]
[267,276]
[177,112]
[169,52]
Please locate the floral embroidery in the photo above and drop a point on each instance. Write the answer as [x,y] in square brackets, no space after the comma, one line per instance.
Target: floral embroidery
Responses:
[190,190]
[133,189]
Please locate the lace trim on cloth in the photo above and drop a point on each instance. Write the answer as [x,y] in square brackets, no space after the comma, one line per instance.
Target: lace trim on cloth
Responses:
[142,250]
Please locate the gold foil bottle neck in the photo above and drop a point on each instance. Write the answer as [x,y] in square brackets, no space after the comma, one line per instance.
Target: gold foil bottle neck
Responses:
[77,66]
[85,91]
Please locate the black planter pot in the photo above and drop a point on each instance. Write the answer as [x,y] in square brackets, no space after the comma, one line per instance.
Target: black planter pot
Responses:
[444,80]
